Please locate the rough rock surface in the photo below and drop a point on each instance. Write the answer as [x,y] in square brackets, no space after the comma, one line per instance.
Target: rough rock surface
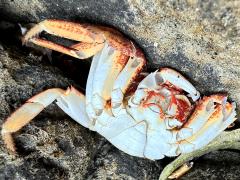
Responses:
[198,38]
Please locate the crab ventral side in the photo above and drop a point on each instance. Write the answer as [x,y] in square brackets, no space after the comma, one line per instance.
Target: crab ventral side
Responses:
[148,115]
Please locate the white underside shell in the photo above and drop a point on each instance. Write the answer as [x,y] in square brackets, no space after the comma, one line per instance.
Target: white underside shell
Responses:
[74,105]
[150,122]
[135,129]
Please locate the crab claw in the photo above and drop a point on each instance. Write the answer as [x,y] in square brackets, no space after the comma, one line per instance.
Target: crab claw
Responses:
[69,30]
[209,119]
[179,81]
[203,111]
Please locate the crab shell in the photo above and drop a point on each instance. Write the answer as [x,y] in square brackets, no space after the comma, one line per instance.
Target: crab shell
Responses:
[149,116]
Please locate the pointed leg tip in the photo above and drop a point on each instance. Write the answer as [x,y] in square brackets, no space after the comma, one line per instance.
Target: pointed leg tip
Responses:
[8,141]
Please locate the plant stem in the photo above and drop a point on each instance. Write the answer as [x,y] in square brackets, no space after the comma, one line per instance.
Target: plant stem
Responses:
[226,140]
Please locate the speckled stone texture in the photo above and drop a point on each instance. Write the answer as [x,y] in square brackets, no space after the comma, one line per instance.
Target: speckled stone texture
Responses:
[198,38]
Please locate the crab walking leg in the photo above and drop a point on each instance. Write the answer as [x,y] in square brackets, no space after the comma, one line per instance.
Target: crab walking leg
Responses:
[65,29]
[175,78]
[80,50]
[110,64]
[203,111]
[211,129]
[134,66]
[26,113]
[230,118]
[35,105]
[55,47]
[89,87]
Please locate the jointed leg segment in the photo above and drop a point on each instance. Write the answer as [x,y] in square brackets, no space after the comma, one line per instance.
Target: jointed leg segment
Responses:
[36,104]
[91,42]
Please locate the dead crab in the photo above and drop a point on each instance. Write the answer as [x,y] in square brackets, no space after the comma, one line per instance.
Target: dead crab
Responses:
[144,115]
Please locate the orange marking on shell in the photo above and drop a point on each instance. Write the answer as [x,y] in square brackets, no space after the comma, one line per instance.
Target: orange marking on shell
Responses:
[66,25]
[150,95]
[108,104]
[135,76]
[123,46]
[171,87]
[173,100]
[114,38]
[117,40]
[201,106]
[83,45]
[183,110]
[228,106]
[217,113]
[132,88]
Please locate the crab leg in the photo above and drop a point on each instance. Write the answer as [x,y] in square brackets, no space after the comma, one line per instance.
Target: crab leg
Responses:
[91,42]
[86,50]
[175,78]
[65,29]
[109,66]
[123,82]
[203,111]
[74,104]
[220,119]
[210,118]
[104,70]
[80,50]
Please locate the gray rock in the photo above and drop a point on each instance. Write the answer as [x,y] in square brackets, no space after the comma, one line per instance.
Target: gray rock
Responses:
[41,153]
[198,38]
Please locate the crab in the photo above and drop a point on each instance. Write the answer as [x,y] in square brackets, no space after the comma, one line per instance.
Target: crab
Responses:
[150,115]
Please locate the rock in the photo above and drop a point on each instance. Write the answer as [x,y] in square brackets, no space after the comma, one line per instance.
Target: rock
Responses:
[226,162]
[112,164]
[198,38]
[40,153]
